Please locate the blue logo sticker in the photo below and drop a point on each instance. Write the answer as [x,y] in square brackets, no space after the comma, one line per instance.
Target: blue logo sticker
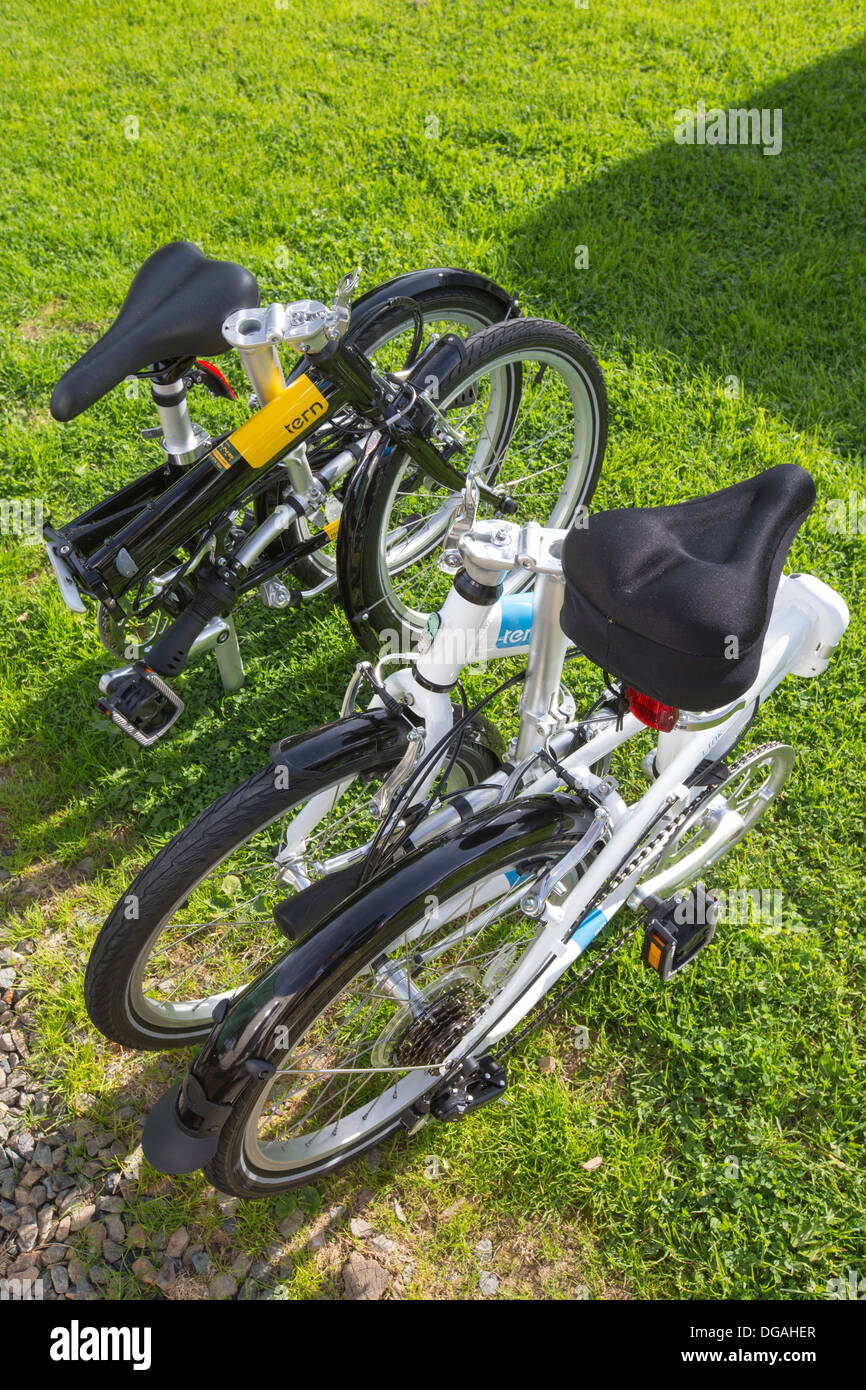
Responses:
[515,627]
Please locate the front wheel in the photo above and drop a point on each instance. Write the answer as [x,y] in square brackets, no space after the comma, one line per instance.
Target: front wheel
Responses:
[387,341]
[371,1037]
[530,402]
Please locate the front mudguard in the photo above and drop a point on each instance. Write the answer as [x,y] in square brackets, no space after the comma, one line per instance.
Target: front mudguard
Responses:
[415,283]
[356,744]
[250,1038]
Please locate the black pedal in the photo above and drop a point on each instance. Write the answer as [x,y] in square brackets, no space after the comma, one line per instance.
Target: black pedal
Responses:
[677,929]
[480,1085]
[139,702]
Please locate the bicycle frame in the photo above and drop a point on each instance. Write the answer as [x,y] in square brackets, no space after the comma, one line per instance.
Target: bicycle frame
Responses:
[110,547]
[206,490]
[807,623]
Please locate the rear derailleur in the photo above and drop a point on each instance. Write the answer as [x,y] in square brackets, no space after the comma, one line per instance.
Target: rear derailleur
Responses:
[476,1083]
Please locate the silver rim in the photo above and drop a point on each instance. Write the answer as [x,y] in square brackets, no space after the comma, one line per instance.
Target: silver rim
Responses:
[375,1048]
[173,986]
[325,1101]
[556,430]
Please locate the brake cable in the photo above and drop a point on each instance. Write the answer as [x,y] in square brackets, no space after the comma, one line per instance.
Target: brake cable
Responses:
[403,301]
[378,844]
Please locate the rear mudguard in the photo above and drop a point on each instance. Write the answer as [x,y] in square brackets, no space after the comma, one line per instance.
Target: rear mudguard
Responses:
[250,1038]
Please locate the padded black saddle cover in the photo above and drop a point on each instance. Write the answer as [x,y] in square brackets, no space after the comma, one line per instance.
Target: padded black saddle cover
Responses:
[676,600]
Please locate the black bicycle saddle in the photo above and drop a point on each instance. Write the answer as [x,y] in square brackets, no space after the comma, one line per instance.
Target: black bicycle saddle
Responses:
[676,600]
[175,307]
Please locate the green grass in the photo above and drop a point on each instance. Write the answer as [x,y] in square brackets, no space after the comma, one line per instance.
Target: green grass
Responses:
[728,1107]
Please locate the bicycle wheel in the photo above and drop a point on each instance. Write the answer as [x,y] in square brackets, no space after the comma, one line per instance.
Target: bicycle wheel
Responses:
[387,342]
[196,925]
[369,1039]
[530,401]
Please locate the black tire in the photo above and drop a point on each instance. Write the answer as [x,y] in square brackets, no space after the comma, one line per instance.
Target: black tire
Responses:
[161,886]
[232,1170]
[176,870]
[440,304]
[367,597]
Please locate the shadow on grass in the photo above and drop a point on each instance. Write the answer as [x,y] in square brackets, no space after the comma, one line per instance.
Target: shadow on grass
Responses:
[745,264]
[218,740]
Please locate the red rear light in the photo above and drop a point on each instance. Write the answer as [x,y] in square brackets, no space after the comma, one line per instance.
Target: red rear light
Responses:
[651,712]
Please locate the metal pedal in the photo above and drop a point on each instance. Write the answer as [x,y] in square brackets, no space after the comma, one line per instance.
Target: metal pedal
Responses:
[478,1085]
[139,702]
[275,594]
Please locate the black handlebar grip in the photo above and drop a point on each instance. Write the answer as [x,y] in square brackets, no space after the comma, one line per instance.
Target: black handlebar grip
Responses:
[169,653]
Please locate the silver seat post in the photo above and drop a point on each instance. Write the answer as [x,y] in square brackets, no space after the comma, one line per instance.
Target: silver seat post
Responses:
[539,704]
[179,434]
[254,333]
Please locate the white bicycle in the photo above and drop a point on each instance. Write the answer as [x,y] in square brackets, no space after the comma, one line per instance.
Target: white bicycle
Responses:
[434,914]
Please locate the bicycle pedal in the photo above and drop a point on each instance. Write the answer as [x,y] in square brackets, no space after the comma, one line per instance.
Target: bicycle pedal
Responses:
[139,702]
[677,929]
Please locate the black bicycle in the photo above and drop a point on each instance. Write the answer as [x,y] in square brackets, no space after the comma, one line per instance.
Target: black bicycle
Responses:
[350,470]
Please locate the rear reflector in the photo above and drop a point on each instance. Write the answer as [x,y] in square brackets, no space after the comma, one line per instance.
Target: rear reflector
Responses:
[651,712]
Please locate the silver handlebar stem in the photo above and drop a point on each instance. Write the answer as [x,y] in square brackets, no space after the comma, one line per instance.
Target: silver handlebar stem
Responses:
[306,326]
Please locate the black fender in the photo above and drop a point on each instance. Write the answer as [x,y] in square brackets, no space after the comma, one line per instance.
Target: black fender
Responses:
[354,525]
[417,283]
[250,1037]
[437,362]
[367,741]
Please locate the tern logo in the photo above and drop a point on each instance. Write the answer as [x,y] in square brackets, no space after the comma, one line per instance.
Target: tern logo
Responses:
[267,434]
[77,1343]
[301,420]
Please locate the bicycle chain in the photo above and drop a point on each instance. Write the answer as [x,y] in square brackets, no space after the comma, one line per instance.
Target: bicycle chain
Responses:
[649,850]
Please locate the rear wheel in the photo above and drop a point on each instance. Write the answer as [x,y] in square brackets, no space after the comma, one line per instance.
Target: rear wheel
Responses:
[371,1038]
